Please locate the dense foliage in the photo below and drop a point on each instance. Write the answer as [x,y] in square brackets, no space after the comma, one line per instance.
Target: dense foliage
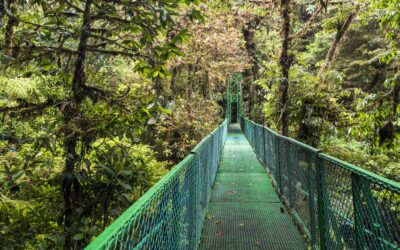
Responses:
[337,84]
[99,99]
[90,116]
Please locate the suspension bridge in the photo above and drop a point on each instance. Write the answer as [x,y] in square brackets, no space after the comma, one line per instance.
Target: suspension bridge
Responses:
[245,186]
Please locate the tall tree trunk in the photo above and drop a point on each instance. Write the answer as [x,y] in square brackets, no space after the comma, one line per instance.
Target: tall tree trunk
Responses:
[70,185]
[335,46]
[248,31]
[246,91]
[157,81]
[190,81]
[172,86]
[250,45]
[285,62]
[396,99]
[196,78]
[9,29]
[205,85]
[159,89]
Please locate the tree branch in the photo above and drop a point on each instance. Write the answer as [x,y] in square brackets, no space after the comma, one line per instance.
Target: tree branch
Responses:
[111,18]
[335,46]
[93,49]
[109,41]
[73,6]
[10,15]
[117,52]
[310,21]
[27,107]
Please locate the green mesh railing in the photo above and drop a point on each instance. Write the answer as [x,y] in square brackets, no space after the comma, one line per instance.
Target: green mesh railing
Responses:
[170,215]
[337,205]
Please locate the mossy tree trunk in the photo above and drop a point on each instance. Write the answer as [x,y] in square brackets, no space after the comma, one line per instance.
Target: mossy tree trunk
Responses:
[70,185]
[285,62]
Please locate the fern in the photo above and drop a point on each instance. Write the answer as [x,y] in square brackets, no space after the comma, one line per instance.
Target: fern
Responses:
[17,88]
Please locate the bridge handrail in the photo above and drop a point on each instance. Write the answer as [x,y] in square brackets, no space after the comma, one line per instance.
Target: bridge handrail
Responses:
[336,204]
[171,213]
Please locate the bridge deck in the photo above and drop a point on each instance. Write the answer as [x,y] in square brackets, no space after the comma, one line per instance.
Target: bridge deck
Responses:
[244,211]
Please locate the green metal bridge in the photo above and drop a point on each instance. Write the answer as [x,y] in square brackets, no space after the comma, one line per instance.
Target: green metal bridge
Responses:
[245,186]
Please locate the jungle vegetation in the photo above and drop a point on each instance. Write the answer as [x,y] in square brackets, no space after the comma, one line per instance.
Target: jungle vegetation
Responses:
[99,99]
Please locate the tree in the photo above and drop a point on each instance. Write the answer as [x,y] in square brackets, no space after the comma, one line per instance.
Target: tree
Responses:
[250,21]
[76,33]
[333,50]
[285,62]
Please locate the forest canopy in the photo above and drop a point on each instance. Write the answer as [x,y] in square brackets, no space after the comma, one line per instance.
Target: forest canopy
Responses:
[100,99]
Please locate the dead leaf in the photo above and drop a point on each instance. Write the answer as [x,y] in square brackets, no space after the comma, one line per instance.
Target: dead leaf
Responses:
[219,222]
[219,234]
[231,192]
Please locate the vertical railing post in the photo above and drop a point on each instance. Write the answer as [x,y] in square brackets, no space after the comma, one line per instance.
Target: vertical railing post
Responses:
[163,207]
[254,135]
[199,183]
[264,154]
[213,156]
[198,211]
[174,214]
[357,208]
[290,174]
[209,167]
[269,157]
[250,134]
[321,204]
[259,141]
[203,164]
[278,164]
[311,199]
[363,220]
[190,191]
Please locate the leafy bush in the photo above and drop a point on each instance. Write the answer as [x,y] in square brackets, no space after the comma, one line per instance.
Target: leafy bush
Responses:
[116,174]
[174,135]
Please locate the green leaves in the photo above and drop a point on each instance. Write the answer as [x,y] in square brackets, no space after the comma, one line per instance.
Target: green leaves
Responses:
[151,72]
[196,15]
[107,169]
[165,17]
[45,64]
[123,168]
[101,122]
[388,12]
[182,36]
[78,236]
[390,56]
[15,175]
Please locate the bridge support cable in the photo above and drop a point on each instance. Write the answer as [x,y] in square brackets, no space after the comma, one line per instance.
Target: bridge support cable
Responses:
[337,205]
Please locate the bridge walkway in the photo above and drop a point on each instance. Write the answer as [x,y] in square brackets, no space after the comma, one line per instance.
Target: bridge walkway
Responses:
[245,211]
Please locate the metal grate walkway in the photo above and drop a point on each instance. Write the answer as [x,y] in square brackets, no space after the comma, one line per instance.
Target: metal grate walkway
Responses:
[244,210]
